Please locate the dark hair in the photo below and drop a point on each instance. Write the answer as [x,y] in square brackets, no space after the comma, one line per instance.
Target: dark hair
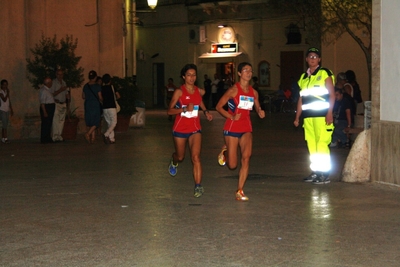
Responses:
[3,81]
[255,79]
[241,65]
[350,76]
[170,79]
[188,67]
[92,74]
[106,78]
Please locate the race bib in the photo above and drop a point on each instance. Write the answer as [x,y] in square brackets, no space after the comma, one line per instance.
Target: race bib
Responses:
[246,102]
[191,114]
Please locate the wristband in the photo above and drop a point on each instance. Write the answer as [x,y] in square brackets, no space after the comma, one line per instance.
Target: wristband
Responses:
[184,109]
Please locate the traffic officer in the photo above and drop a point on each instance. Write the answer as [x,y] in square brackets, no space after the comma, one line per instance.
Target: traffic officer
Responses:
[317,97]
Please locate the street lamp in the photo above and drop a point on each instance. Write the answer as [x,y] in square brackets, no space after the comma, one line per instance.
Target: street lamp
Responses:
[152,3]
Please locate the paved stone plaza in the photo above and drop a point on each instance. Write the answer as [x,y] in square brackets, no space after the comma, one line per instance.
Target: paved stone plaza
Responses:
[76,204]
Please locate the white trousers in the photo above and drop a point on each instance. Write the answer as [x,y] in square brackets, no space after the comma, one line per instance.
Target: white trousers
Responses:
[110,116]
[58,121]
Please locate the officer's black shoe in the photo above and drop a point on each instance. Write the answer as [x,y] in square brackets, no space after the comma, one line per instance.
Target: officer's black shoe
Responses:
[311,177]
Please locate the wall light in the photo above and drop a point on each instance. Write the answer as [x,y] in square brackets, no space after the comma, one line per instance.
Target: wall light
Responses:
[152,3]
[222,26]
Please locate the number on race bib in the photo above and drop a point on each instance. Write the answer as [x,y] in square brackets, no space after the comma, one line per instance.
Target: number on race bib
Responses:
[246,102]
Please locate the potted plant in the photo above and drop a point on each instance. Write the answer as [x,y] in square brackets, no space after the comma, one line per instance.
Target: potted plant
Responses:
[70,125]
[50,55]
[127,89]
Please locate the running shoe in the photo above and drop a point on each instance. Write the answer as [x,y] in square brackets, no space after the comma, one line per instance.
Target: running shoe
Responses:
[322,179]
[241,196]
[198,191]
[311,177]
[333,144]
[173,169]
[221,156]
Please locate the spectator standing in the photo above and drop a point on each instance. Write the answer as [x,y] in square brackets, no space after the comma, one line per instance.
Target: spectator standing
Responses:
[109,108]
[346,88]
[342,115]
[355,92]
[207,88]
[92,95]
[222,87]
[47,108]
[214,90]
[6,110]
[61,97]
[99,81]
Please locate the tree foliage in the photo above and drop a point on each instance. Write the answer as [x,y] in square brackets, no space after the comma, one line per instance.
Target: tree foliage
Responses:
[50,55]
[330,19]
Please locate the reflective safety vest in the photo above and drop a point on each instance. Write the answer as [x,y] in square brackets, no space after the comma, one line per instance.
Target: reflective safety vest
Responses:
[314,94]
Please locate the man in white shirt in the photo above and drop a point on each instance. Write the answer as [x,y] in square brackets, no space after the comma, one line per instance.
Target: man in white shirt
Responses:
[61,96]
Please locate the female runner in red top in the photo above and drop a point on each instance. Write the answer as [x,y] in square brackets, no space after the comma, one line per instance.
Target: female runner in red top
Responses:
[186,103]
[241,98]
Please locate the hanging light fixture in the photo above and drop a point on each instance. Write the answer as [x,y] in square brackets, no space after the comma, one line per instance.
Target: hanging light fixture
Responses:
[152,3]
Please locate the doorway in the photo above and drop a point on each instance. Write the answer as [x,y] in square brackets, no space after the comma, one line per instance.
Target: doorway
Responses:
[158,85]
[226,71]
[292,66]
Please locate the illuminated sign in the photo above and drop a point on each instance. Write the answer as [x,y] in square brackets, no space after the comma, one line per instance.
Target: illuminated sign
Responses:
[224,48]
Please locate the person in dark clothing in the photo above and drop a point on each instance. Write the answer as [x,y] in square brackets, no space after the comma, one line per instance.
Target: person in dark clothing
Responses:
[342,119]
[91,93]
[220,89]
[355,92]
[47,108]
[207,88]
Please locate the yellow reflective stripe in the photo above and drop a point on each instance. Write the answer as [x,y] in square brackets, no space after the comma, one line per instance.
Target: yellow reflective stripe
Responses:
[320,162]
[314,91]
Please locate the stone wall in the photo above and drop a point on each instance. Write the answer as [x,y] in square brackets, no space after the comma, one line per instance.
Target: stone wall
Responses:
[100,44]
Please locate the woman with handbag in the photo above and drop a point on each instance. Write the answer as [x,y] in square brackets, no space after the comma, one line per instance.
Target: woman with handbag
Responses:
[93,100]
[110,108]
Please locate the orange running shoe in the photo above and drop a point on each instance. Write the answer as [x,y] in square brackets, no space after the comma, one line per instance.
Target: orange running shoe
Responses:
[221,156]
[241,196]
